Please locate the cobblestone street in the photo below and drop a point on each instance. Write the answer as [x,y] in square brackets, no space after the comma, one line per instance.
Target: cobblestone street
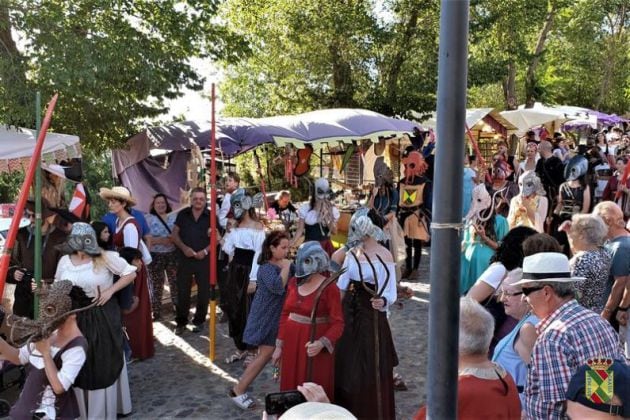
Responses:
[181,382]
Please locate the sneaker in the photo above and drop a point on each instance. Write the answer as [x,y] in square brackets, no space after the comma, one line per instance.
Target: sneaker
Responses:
[197,328]
[179,330]
[243,401]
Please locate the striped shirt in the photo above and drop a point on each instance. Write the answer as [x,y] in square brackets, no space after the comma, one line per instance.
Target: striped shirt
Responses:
[566,340]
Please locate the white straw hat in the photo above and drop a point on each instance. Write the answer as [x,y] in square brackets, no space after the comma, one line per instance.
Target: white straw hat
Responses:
[120,193]
[547,267]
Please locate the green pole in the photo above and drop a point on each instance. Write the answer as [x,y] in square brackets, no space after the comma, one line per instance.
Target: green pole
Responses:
[38,206]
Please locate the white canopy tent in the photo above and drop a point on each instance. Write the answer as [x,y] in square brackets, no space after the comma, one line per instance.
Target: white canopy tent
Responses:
[17,145]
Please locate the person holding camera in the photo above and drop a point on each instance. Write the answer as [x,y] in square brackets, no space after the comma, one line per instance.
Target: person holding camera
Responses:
[23,258]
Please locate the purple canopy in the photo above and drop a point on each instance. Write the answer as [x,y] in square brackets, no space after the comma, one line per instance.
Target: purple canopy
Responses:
[145,176]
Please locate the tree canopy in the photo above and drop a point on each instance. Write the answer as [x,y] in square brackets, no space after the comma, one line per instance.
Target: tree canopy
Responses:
[114,62]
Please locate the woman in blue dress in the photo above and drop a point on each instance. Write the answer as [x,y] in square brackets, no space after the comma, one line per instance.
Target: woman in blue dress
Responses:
[261,329]
[483,234]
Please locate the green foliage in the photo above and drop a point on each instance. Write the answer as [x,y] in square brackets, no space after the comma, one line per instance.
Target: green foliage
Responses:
[114,62]
[312,54]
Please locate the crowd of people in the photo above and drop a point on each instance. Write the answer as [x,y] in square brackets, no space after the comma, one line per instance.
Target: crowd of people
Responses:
[545,271]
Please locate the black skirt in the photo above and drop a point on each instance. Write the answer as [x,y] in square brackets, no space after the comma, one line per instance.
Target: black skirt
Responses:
[102,328]
[237,301]
[355,364]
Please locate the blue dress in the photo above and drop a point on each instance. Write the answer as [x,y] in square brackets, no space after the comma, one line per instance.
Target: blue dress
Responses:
[264,315]
[476,254]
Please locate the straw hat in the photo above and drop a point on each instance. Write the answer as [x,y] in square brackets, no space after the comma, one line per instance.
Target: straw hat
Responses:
[547,267]
[317,411]
[119,193]
[55,169]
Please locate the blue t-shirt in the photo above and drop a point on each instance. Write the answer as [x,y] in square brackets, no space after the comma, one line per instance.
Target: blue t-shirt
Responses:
[620,266]
[110,220]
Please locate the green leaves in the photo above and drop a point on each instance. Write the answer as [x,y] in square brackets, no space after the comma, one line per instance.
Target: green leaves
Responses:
[114,62]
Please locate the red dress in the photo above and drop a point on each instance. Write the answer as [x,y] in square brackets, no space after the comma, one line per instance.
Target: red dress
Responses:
[138,323]
[295,334]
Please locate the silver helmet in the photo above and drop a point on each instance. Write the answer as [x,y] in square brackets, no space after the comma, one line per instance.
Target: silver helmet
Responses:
[311,258]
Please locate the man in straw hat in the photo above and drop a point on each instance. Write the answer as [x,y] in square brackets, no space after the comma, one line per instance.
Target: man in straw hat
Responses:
[568,333]
[23,258]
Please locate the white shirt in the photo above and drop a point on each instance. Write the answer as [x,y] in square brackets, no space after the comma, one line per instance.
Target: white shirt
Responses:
[245,238]
[352,273]
[224,210]
[71,363]
[494,275]
[311,217]
[89,278]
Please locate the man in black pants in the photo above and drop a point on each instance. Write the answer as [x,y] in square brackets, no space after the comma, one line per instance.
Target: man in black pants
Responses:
[191,235]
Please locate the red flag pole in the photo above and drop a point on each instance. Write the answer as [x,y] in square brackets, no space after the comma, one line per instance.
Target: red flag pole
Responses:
[213,231]
[5,259]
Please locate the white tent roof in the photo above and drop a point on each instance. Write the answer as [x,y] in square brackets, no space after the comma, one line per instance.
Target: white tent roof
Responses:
[473,116]
[17,145]
[526,118]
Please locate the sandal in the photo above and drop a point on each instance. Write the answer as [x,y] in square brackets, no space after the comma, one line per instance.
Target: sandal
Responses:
[243,401]
[235,357]
[399,384]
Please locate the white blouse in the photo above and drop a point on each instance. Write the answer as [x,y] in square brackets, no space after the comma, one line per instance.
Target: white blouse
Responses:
[352,273]
[71,363]
[89,278]
[311,217]
[245,238]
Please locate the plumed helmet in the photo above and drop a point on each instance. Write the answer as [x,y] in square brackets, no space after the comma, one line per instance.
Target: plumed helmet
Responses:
[311,258]
[529,184]
[240,202]
[361,226]
[322,189]
[576,168]
[81,238]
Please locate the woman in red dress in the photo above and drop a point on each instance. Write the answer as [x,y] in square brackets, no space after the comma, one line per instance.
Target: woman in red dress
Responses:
[137,322]
[294,346]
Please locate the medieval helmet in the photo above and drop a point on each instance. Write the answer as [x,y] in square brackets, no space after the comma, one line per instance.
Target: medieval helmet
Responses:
[81,238]
[529,184]
[576,168]
[481,200]
[361,225]
[310,259]
[322,189]
[240,202]
[414,162]
[383,175]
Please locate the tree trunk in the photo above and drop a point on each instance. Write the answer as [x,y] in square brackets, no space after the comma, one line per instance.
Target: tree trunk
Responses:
[614,47]
[15,106]
[343,89]
[509,87]
[7,45]
[395,66]
[530,78]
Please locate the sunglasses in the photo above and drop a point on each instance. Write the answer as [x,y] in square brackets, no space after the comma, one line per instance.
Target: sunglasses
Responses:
[29,215]
[529,290]
[504,293]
